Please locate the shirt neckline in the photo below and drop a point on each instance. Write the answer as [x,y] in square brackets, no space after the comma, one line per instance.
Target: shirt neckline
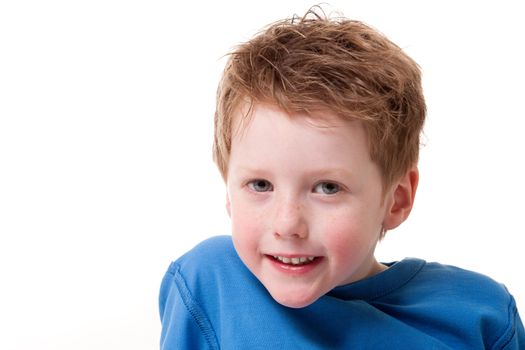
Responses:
[397,275]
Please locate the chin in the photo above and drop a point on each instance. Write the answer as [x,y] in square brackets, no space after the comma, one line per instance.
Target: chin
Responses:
[293,300]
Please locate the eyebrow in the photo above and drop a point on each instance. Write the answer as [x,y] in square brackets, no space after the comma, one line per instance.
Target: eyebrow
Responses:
[250,170]
[328,172]
[331,172]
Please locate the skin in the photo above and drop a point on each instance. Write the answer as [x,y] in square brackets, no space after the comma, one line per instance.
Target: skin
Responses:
[300,186]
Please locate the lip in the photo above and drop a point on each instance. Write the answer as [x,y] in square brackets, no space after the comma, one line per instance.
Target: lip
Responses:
[293,269]
[292,255]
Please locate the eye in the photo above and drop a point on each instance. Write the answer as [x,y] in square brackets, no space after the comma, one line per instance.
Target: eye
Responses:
[260,185]
[327,188]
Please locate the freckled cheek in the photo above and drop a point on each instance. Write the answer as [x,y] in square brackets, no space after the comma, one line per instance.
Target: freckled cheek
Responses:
[344,239]
[247,228]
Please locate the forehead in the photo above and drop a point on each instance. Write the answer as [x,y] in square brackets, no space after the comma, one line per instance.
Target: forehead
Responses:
[321,119]
[266,132]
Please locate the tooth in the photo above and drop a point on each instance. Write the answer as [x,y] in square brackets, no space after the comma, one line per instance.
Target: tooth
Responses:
[295,260]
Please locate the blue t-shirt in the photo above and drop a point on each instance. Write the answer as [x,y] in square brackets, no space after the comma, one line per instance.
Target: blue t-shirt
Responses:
[210,300]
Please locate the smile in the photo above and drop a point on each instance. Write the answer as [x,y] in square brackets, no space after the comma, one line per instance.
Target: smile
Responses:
[295,260]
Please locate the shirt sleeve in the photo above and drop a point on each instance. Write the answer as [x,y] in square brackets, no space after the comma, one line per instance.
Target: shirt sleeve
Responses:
[517,341]
[184,324]
[514,336]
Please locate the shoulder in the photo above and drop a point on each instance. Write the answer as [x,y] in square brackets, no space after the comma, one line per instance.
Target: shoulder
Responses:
[204,292]
[471,301]
[463,285]
[211,259]
[190,282]
[210,266]
[210,252]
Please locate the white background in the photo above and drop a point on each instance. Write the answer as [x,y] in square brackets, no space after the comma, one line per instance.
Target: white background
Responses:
[105,151]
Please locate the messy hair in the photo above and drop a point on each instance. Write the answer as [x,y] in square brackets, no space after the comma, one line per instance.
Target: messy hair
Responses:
[314,63]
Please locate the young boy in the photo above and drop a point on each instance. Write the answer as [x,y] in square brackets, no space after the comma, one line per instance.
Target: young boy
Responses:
[317,138]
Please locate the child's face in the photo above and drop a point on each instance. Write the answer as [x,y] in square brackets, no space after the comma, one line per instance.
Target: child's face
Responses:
[299,189]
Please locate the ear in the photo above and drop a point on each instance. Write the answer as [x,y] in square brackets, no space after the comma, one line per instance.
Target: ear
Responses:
[402,199]
[228,204]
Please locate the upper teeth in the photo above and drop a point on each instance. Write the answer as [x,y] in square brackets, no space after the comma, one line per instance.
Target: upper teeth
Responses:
[294,261]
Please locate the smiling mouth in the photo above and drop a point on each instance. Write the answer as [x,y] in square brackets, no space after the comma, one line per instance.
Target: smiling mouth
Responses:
[295,261]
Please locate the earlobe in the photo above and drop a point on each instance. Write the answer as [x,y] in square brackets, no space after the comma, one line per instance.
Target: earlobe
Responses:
[402,201]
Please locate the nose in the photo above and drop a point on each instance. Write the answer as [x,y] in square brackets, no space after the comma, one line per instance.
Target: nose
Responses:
[289,219]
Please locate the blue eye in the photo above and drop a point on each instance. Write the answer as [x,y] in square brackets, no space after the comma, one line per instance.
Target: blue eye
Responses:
[327,188]
[260,185]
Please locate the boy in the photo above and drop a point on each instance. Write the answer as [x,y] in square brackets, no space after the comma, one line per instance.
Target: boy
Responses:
[317,138]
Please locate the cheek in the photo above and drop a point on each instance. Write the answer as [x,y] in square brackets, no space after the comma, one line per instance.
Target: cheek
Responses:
[350,235]
[343,237]
[247,227]
[244,217]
